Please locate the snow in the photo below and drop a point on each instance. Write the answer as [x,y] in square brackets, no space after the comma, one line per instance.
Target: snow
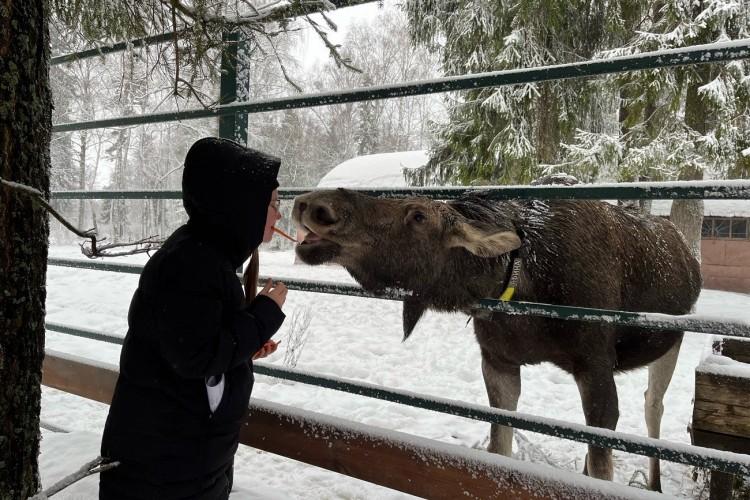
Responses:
[360,338]
[81,446]
[723,365]
[711,208]
[385,169]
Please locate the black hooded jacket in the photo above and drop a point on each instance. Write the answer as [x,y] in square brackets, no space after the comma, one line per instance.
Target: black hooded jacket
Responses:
[187,321]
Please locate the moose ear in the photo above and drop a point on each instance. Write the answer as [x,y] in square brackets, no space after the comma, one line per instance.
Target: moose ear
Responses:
[413,310]
[484,242]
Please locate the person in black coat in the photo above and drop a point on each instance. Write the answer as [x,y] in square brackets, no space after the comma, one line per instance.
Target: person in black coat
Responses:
[185,366]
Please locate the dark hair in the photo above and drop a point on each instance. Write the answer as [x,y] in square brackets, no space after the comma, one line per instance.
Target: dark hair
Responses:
[250,277]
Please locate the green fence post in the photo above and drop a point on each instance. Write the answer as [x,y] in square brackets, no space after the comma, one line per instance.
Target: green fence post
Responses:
[232,126]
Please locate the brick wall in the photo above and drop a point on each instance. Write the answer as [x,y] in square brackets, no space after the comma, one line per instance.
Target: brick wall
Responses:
[725,264]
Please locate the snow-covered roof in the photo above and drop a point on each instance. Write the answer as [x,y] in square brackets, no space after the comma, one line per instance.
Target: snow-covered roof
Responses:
[712,208]
[378,170]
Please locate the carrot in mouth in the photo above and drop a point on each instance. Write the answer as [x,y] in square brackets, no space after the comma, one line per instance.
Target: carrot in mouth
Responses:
[282,233]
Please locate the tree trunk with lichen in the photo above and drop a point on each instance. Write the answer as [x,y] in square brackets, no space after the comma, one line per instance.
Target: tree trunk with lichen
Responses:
[25,123]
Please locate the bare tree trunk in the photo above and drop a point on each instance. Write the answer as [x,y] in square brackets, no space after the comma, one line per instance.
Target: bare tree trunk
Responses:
[25,124]
[687,215]
[82,177]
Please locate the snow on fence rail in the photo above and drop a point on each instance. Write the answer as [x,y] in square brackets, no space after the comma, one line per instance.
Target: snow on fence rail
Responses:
[690,322]
[403,462]
[696,54]
[714,190]
[686,454]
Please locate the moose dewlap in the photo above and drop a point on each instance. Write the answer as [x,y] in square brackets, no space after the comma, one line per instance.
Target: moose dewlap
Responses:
[579,253]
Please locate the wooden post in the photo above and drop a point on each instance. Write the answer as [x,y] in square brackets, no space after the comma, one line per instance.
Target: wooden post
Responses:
[721,410]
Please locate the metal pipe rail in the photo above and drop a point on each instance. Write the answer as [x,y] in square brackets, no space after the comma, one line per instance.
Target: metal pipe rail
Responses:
[714,190]
[675,452]
[407,463]
[658,321]
[697,54]
[289,12]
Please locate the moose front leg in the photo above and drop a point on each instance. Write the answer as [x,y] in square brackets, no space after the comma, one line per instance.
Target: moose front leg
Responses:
[599,399]
[503,384]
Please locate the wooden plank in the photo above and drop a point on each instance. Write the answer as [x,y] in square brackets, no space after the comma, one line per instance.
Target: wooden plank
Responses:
[69,374]
[734,348]
[406,463]
[403,462]
[722,389]
[720,484]
[721,404]
[719,441]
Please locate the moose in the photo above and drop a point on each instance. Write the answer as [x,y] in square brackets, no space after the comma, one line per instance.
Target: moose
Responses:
[450,254]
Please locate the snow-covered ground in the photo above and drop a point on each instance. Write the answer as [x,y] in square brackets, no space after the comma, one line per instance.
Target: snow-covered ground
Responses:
[360,339]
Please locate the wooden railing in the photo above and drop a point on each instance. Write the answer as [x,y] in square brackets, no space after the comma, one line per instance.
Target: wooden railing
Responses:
[403,462]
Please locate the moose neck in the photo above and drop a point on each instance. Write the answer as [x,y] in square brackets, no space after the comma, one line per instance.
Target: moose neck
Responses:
[461,282]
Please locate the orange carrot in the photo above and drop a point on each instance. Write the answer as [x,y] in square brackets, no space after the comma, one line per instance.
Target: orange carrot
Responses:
[282,233]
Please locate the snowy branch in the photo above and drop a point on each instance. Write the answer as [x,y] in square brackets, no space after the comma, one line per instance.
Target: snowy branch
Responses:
[93,250]
[145,245]
[94,467]
[333,50]
[38,198]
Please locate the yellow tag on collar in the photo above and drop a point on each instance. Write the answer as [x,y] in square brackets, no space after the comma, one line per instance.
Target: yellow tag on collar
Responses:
[508,294]
[513,281]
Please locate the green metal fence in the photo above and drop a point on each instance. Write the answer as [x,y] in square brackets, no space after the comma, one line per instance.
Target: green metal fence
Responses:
[702,457]
[699,54]
[690,455]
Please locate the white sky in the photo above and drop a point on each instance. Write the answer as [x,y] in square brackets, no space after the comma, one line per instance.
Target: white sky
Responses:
[312,49]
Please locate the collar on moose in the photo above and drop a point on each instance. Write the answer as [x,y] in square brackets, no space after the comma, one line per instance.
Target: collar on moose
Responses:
[510,288]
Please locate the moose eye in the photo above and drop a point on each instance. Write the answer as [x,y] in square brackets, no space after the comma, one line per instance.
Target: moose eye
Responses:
[419,217]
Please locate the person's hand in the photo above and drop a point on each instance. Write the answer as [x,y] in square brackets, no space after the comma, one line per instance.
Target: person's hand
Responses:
[275,291]
[268,348]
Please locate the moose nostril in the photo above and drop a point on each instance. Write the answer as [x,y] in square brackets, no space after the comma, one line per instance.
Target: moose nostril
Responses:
[323,215]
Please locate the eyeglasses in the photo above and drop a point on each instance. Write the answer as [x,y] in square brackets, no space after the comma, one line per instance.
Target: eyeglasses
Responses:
[276,204]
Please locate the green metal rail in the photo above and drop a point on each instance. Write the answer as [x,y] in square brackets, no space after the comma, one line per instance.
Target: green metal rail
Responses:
[732,463]
[714,190]
[656,321]
[112,48]
[698,54]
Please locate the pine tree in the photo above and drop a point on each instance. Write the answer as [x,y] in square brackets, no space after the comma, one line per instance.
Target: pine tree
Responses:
[508,134]
[676,121]
[689,122]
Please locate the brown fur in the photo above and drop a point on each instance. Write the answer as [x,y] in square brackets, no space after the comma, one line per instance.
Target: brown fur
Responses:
[578,253]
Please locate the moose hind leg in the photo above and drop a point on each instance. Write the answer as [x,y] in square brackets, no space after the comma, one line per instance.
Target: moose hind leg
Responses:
[600,407]
[659,376]
[503,383]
